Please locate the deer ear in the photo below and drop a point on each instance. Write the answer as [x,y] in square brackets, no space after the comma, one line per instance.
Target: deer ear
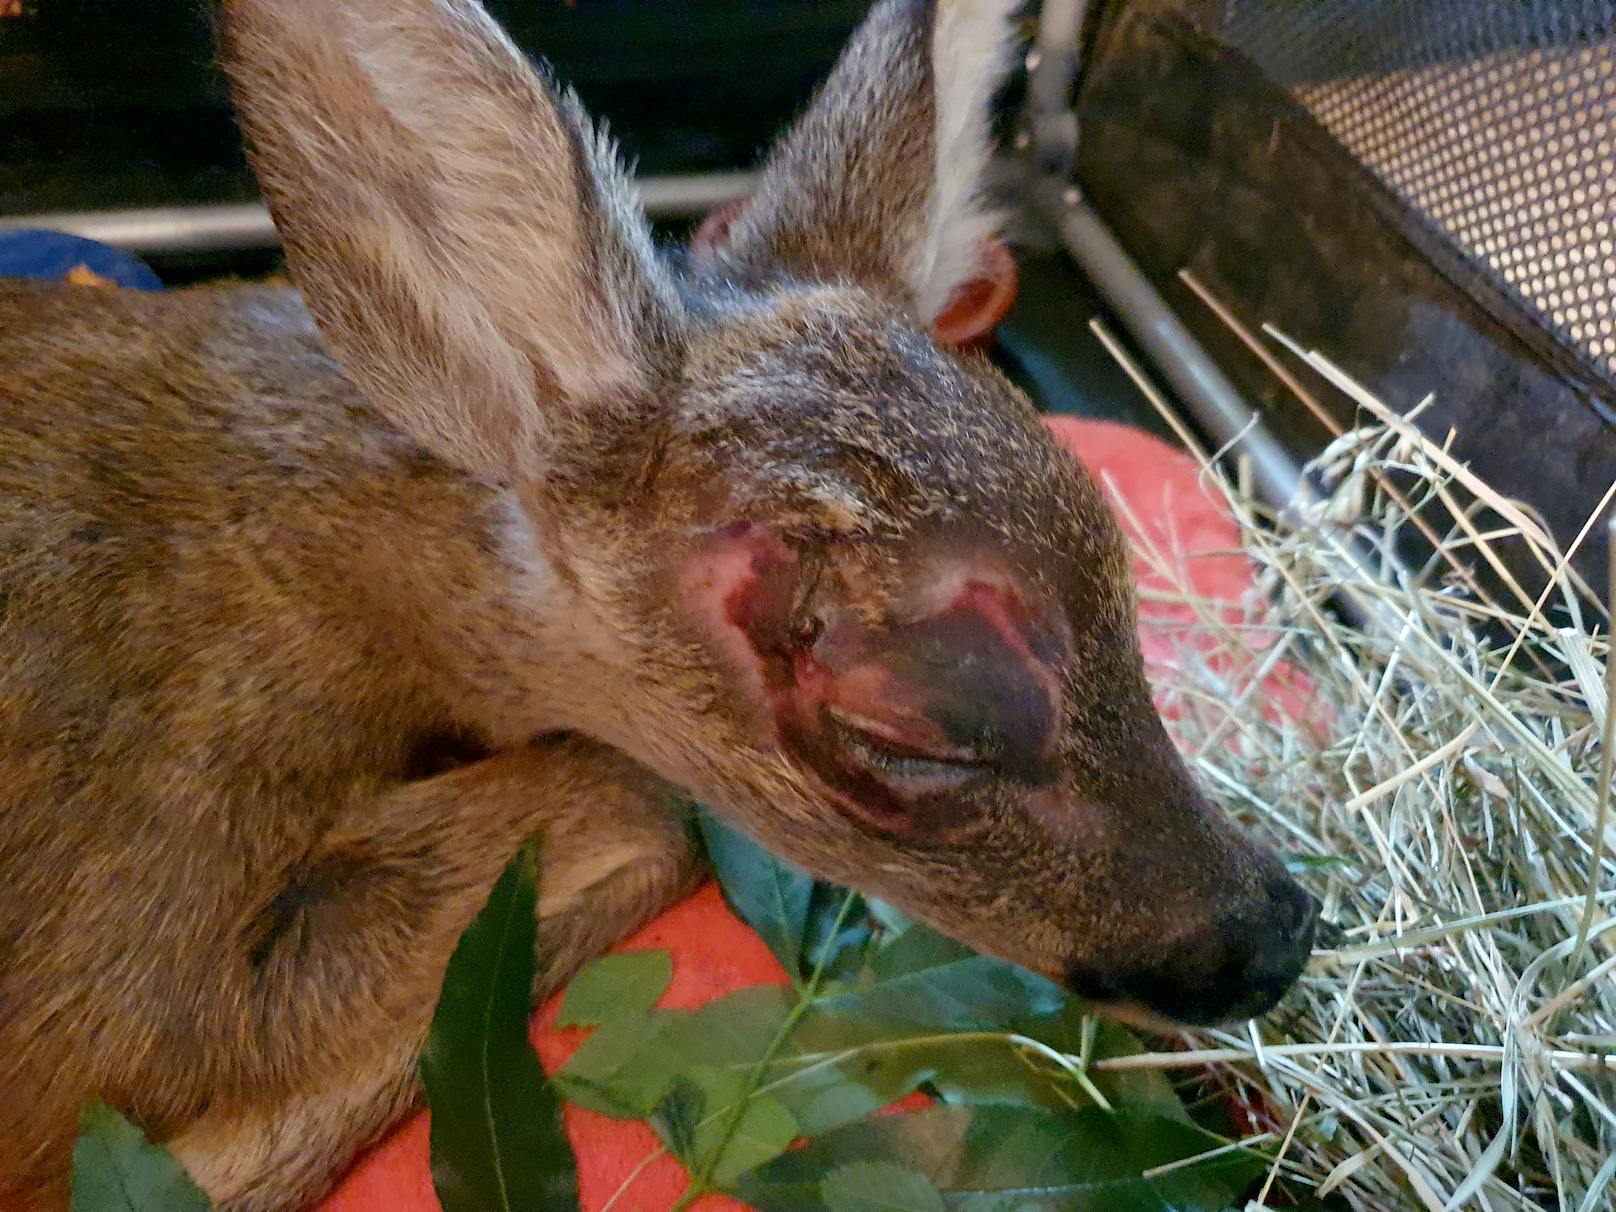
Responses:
[467,242]
[881,181]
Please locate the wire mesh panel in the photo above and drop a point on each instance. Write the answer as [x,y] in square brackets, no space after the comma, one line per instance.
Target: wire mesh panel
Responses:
[1495,122]
[1425,189]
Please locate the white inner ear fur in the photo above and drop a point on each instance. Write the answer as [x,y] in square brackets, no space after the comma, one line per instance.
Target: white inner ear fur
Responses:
[501,172]
[972,42]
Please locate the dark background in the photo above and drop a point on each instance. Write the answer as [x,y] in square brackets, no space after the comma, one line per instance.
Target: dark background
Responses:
[1191,154]
[113,104]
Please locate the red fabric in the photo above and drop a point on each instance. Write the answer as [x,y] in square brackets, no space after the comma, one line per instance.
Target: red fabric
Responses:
[714,954]
[1164,507]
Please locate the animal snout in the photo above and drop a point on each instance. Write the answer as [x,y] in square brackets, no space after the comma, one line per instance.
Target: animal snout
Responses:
[1266,950]
[1238,970]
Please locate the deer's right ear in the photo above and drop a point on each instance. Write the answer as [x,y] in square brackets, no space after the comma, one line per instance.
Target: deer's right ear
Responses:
[467,242]
[881,181]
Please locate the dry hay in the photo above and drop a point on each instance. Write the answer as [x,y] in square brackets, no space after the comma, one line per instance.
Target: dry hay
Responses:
[1439,767]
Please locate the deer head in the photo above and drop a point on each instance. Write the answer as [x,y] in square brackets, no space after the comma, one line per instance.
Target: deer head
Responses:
[830,578]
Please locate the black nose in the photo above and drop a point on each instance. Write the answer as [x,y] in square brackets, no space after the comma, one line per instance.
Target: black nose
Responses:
[1238,971]
[1265,953]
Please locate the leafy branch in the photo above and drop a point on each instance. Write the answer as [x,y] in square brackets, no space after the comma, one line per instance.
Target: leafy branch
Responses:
[1026,1116]
[1035,1105]
[702,1180]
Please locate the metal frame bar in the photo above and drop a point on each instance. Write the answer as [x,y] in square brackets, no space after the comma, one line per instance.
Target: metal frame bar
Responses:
[1178,357]
[192,229]
[1200,386]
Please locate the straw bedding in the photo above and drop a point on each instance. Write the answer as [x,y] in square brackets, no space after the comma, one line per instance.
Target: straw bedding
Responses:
[1437,771]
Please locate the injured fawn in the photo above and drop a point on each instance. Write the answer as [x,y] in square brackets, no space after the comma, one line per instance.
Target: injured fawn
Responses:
[317,604]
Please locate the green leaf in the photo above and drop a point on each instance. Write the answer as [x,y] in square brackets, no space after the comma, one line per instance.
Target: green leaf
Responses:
[619,1070]
[837,1069]
[914,949]
[929,980]
[678,1116]
[616,986]
[497,1141]
[769,895]
[994,1159]
[833,1101]
[874,1186]
[1145,1089]
[115,1169]
[927,1142]
[626,1067]
[688,1071]
[733,1031]
[763,1132]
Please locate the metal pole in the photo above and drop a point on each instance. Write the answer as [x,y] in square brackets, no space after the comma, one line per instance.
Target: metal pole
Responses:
[1052,132]
[219,228]
[1201,387]
[161,229]
[1052,67]
[1178,357]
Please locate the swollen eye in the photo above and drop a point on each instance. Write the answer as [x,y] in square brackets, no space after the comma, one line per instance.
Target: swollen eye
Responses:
[910,772]
[900,718]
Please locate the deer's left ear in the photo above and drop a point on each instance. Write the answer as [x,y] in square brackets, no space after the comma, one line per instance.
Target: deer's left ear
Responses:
[881,181]
[467,242]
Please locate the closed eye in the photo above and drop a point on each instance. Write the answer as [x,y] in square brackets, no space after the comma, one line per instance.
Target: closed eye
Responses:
[910,772]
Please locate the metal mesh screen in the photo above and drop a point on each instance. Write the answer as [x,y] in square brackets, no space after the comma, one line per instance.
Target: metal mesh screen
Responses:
[1494,121]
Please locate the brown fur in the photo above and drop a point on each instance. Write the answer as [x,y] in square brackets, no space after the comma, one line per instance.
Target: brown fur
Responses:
[294,657]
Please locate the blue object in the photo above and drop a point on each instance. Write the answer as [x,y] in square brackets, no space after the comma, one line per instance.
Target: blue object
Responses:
[30,253]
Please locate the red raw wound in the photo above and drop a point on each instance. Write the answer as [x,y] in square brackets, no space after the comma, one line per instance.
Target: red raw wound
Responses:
[891,716]
[970,687]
